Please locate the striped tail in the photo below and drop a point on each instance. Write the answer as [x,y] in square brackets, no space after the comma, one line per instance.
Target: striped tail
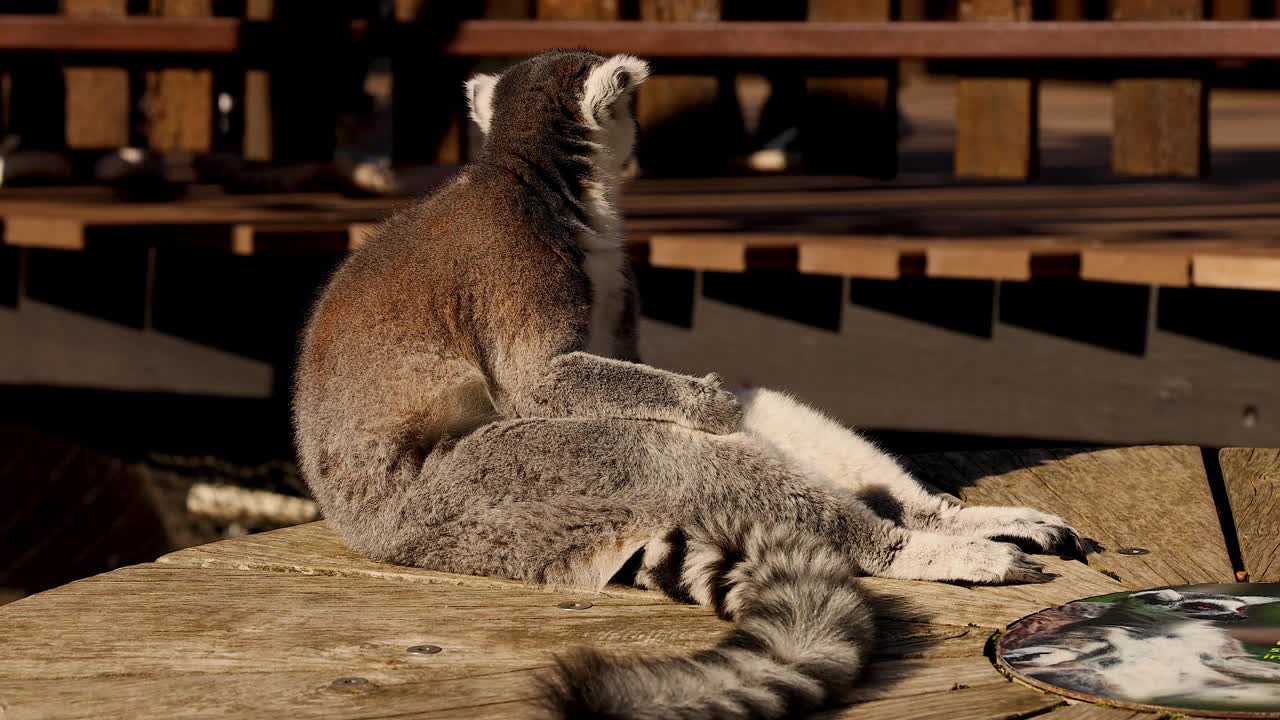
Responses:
[801,637]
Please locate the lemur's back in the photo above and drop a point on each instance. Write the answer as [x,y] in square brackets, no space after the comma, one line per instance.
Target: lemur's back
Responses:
[402,338]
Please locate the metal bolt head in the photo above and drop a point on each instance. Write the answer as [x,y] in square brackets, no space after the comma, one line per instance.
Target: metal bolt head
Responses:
[1133,551]
[575,605]
[423,650]
[350,682]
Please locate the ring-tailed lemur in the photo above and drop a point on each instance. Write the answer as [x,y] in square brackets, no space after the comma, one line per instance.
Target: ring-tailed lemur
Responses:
[469,398]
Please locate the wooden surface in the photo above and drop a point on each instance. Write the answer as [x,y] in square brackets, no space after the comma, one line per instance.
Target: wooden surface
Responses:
[178,102]
[996,119]
[865,107]
[264,626]
[1166,234]
[811,41]
[98,102]
[1161,125]
[1073,484]
[1252,477]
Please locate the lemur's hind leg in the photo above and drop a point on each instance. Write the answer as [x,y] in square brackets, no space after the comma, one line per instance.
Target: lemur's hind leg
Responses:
[568,501]
[850,462]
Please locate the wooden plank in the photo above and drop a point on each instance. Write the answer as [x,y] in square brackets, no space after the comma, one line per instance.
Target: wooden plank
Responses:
[1161,125]
[838,108]
[1239,268]
[887,258]
[876,41]
[1017,259]
[1154,40]
[257,95]
[97,26]
[678,133]
[1139,263]
[55,233]
[1083,711]
[986,702]
[98,101]
[178,103]
[1252,476]
[1069,10]
[996,118]
[1118,497]
[577,9]
[732,252]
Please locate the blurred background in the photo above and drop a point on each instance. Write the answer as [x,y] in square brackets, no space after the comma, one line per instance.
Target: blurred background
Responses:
[952,234]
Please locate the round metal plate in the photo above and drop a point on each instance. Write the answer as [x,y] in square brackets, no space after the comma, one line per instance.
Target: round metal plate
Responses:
[1210,650]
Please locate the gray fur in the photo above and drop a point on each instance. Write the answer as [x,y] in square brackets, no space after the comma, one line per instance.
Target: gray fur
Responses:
[448,416]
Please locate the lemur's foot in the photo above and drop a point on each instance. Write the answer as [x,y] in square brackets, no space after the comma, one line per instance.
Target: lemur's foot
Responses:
[1031,530]
[947,558]
[711,408]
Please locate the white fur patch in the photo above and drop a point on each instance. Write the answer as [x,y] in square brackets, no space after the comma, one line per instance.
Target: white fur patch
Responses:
[479,91]
[608,82]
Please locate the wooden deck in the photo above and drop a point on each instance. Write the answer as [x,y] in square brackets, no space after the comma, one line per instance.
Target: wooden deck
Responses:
[291,624]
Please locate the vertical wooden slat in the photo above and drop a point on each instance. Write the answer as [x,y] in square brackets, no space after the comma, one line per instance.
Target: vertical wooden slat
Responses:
[1068,10]
[179,101]
[257,94]
[427,101]
[1161,124]
[862,107]
[996,118]
[1232,9]
[97,99]
[577,9]
[667,106]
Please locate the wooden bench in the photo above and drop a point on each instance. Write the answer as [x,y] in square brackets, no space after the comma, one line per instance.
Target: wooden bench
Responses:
[292,624]
[1164,234]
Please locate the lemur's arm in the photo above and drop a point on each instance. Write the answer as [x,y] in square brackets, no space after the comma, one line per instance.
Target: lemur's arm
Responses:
[578,384]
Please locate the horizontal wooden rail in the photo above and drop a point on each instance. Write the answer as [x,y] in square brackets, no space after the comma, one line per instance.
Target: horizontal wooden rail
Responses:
[692,40]
[106,34]
[879,41]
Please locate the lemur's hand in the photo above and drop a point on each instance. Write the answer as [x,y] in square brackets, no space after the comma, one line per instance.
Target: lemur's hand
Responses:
[711,408]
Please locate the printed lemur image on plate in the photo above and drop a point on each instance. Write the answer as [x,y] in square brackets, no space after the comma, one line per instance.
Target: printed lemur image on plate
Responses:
[1198,649]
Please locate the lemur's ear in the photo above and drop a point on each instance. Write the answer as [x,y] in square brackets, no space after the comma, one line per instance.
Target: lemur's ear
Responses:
[480,99]
[608,82]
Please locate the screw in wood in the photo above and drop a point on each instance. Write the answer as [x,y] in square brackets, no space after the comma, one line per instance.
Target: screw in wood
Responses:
[350,682]
[423,650]
[574,605]
[1134,551]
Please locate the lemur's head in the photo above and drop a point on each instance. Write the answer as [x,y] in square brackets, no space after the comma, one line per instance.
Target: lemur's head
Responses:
[562,92]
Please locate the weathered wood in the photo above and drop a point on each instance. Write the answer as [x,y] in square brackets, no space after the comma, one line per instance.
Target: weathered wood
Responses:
[178,103]
[986,702]
[1139,484]
[98,101]
[1161,125]
[1252,476]
[996,118]
[862,107]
